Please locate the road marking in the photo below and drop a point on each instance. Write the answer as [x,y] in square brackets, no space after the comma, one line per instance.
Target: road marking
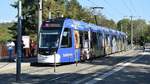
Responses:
[98,73]
[67,75]
[145,53]
[119,67]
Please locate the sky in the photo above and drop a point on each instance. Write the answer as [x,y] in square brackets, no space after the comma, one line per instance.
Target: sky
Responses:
[113,9]
[7,13]
[119,9]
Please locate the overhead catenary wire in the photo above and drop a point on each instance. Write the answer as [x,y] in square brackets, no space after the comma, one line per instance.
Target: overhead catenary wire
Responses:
[89,2]
[131,4]
[93,3]
[133,7]
[112,7]
[125,4]
[116,10]
[136,13]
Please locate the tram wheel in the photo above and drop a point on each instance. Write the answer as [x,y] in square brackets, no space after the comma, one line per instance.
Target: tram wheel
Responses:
[82,58]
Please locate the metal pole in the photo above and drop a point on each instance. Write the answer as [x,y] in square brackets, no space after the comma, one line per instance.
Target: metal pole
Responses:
[19,38]
[76,58]
[49,15]
[39,22]
[95,19]
[65,6]
[66,3]
[40,15]
[131,32]
[54,61]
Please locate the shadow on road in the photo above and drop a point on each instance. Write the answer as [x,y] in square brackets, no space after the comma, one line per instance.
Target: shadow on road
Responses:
[138,73]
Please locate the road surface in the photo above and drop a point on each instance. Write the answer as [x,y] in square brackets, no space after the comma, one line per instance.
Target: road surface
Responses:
[131,67]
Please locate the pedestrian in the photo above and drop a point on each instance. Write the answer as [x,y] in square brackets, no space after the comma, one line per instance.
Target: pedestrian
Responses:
[32,47]
[10,48]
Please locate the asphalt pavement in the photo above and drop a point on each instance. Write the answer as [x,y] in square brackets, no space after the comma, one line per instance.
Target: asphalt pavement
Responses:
[137,72]
[131,67]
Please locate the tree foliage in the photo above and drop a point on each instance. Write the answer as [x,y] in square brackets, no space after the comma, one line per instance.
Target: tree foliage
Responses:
[140,29]
[4,32]
[74,10]
[108,23]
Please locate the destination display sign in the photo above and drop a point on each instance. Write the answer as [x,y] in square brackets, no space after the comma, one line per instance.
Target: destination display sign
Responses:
[50,25]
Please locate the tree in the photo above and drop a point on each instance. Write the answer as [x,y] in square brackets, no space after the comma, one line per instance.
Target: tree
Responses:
[29,20]
[125,26]
[5,33]
[108,23]
[140,29]
[57,8]
[147,33]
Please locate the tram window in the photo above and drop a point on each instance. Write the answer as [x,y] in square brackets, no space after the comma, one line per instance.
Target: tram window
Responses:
[86,41]
[86,35]
[94,40]
[81,39]
[100,38]
[107,39]
[123,39]
[66,38]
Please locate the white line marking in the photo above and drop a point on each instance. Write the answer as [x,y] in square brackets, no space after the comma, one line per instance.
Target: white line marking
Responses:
[120,66]
[97,73]
[145,53]
[87,77]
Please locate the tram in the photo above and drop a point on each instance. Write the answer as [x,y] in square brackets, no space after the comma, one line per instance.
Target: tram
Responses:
[68,40]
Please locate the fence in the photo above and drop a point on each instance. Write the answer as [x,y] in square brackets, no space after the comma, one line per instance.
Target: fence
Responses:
[3,51]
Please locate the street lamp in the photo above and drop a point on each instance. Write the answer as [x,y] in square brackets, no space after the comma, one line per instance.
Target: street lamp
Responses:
[93,9]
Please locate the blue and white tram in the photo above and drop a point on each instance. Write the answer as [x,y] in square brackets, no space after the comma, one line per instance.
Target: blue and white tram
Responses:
[68,40]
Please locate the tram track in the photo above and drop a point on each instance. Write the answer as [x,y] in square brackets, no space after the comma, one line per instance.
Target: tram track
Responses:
[46,70]
[34,70]
[116,66]
[87,68]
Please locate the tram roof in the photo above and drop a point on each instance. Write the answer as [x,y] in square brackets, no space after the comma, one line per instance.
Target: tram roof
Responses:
[80,25]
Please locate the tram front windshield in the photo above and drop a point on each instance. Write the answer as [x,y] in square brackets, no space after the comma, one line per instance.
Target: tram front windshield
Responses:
[50,38]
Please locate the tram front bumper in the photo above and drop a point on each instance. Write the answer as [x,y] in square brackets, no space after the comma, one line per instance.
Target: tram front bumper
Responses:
[49,58]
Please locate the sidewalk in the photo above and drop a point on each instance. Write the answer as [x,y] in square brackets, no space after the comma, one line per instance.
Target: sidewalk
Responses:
[26,59]
[6,66]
